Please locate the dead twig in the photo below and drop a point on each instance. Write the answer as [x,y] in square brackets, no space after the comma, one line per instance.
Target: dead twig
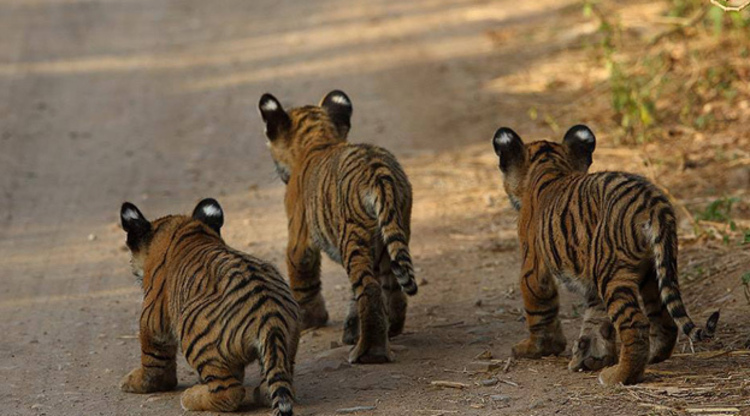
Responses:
[449,384]
[508,364]
[692,21]
[728,8]
[355,409]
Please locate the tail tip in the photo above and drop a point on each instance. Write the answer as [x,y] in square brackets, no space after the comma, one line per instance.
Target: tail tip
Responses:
[405,278]
[284,407]
[411,289]
[712,322]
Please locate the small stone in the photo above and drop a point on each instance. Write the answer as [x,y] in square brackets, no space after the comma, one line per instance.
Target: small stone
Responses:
[423,282]
[489,382]
[92,237]
[537,404]
[500,398]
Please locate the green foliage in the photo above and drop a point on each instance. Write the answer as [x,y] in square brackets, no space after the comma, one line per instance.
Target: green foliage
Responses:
[638,81]
[746,285]
[632,92]
[719,210]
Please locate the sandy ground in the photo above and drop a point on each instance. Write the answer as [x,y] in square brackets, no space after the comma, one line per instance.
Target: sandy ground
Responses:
[154,102]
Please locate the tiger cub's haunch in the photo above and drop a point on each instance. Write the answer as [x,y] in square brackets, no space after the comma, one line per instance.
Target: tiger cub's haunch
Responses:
[352,201]
[609,235]
[224,308]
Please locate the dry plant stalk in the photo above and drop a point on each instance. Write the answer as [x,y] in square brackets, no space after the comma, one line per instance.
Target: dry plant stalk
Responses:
[728,8]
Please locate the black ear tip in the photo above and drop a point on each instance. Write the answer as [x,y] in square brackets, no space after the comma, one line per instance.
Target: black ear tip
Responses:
[268,102]
[504,136]
[209,208]
[337,92]
[581,132]
[337,97]
[129,212]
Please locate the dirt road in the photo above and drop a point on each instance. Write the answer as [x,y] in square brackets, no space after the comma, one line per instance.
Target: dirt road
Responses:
[154,102]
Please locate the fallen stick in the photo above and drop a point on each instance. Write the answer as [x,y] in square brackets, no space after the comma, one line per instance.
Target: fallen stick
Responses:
[449,384]
[509,382]
[714,410]
[508,364]
[355,409]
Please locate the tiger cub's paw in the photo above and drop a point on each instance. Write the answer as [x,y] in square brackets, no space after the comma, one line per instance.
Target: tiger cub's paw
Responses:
[351,330]
[595,348]
[537,347]
[362,354]
[140,381]
[201,397]
[612,376]
[314,313]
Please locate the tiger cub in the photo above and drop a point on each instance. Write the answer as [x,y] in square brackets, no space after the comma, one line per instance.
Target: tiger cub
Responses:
[609,235]
[224,308]
[352,201]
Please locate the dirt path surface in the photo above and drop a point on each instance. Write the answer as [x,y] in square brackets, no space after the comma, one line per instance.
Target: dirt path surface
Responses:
[154,102]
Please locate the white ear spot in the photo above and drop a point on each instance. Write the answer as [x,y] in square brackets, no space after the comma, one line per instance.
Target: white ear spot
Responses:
[505,138]
[130,214]
[269,105]
[585,135]
[340,99]
[212,211]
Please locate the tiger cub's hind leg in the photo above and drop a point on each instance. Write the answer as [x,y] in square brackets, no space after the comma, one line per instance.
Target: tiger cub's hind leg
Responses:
[396,304]
[541,304]
[663,330]
[596,346]
[158,369]
[351,324]
[372,345]
[303,263]
[632,327]
[395,298]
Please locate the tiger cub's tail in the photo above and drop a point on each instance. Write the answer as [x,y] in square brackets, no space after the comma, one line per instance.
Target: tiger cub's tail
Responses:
[277,365]
[664,243]
[394,236]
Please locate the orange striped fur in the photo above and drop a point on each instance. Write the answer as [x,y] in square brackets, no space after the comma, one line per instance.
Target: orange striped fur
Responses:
[224,308]
[353,202]
[610,236]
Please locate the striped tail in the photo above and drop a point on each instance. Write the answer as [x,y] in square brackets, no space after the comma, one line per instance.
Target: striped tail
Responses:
[664,243]
[394,236]
[276,367]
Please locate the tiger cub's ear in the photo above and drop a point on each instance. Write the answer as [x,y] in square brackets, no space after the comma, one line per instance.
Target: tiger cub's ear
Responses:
[581,142]
[135,224]
[339,107]
[210,213]
[509,148]
[276,119]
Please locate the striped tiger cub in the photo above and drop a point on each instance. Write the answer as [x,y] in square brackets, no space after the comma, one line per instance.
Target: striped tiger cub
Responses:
[224,308]
[353,202]
[610,236]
